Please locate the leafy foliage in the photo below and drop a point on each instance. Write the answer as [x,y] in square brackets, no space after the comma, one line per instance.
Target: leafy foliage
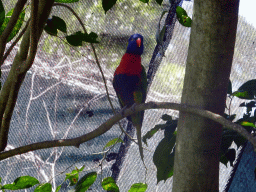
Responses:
[163,157]
[16,27]
[23,182]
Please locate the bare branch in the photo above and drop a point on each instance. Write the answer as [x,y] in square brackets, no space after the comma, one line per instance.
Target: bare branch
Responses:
[103,128]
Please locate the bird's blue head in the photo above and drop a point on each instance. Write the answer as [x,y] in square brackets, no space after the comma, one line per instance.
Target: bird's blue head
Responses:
[135,44]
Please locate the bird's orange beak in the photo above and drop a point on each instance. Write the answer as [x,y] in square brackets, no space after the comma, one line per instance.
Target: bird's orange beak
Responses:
[138,41]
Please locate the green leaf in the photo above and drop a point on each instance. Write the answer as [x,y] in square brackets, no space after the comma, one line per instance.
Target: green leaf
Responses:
[160,33]
[77,38]
[144,1]
[231,156]
[112,142]
[242,95]
[224,160]
[151,132]
[248,124]
[2,13]
[109,184]
[74,175]
[228,137]
[47,187]
[108,4]
[229,88]
[183,17]
[138,187]
[85,182]
[59,24]
[90,38]
[54,24]
[66,1]
[166,117]
[17,25]
[163,158]
[58,188]
[240,140]
[247,90]
[22,182]
[159,2]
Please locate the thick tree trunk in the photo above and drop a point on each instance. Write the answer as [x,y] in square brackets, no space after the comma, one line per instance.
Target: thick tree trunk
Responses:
[211,48]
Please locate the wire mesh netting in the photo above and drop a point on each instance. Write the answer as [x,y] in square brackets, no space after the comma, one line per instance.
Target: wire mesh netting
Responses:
[64,87]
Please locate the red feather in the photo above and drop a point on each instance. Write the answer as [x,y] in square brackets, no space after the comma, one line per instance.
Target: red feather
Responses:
[129,65]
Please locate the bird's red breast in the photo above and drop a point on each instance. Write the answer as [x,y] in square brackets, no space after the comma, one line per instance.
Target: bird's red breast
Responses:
[130,65]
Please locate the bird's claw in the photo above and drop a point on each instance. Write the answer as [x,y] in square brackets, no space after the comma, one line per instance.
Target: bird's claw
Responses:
[122,110]
[133,106]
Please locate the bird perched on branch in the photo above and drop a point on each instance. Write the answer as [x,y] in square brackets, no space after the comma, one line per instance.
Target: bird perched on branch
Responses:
[130,82]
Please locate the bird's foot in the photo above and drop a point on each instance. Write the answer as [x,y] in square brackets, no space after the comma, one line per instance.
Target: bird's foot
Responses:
[133,106]
[122,110]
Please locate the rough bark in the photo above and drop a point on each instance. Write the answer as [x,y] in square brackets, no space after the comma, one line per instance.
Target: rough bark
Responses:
[211,48]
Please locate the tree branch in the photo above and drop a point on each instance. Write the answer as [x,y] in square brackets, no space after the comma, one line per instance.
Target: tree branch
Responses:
[7,31]
[21,64]
[103,128]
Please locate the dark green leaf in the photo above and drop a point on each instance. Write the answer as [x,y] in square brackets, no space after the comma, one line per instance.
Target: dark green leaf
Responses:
[228,137]
[166,117]
[224,160]
[47,187]
[159,2]
[229,87]
[231,156]
[108,4]
[59,23]
[250,104]
[2,13]
[160,33]
[240,140]
[163,158]
[255,173]
[75,39]
[138,187]
[85,182]
[151,132]
[91,38]
[50,28]
[22,182]
[54,24]
[66,1]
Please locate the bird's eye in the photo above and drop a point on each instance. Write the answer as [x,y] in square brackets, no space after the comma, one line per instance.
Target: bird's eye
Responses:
[132,39]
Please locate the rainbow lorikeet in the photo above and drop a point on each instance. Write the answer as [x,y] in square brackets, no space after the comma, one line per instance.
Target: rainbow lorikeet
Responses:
[130,82]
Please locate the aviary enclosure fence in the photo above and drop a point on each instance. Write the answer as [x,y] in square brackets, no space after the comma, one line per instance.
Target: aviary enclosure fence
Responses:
[64,88]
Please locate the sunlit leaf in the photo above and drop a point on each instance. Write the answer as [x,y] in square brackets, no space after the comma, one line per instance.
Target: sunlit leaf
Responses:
[112,142]
[22,182]
[85,182]
[109,184]
[138,187]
